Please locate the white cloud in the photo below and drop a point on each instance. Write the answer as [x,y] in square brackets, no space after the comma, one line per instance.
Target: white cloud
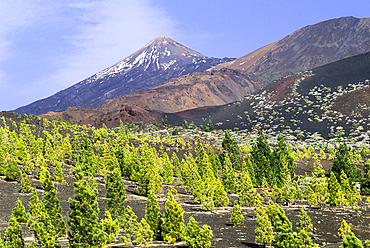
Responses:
[109,32]
[72,41]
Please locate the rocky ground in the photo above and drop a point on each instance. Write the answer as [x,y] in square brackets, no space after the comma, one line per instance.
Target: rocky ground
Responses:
[326,220]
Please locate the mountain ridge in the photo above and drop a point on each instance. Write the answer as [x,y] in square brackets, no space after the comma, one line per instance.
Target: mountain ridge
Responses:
[159,60]
[316,103]
[307,48]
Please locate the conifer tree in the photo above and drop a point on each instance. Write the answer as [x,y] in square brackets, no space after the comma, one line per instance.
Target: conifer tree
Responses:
[232,149]
[12,172]
[176,162]
[189,173]
[40,165]
[21,152]
[352,194]
[351,241]
[283,163]
[58,174]
[19,212]
[228,177]
[110,160]
[110,227]
[365,183]
[334,191]
[288,191]
[343,162]
[86,230]
[220,198]
[204,190]
[246,191]
[344,229]
[148,175]
[305,228]
[13,235]
[310,196]
[167,169]
[173,226]
[263,232]
[210,126]
[136,233]
[116,194]
[3,163]
[52,206]
[25,184]
[236,216]
[249,167]
[284,237]
[196,237]
[43,173]
[153,215]
[319,183]
[40,224]
[261,154]
[215,161]
[202,157]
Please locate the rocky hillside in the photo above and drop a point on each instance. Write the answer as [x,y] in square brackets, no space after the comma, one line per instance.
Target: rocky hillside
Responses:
[198,89]
[306,48]
[96,118]
[161,59]
[317,103]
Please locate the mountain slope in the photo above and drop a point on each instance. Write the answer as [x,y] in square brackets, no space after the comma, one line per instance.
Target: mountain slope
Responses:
[306,48]
[327,99]
[194,90]
[161,59]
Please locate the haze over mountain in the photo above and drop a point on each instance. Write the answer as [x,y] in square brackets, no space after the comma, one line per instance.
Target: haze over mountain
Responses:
[161,59]
[306,48]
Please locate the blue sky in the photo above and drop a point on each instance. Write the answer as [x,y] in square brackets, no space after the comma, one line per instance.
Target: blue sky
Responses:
[49,45]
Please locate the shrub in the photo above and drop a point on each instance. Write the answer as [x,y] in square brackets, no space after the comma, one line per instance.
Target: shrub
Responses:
[196,237]
[236,216]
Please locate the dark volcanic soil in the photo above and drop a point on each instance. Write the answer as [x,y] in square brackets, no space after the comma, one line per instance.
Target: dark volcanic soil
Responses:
[326,221]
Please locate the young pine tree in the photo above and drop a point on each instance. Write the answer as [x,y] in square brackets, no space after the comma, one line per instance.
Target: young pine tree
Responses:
[13,235]
[173,226]
[263,231]
[153,215]
[19,213]
[58,174]
[228,177]
[25,184]
[246,191]
[3,163]
[12,172]
[205,188]
[334,191]
[236,216]
[167,169]
[351,241]
[116,194]
[220,198]
[40,224]
[137,233]
[305,228]
[52,206]
[344,229]
[86,230]
[110,227]
[196,237]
